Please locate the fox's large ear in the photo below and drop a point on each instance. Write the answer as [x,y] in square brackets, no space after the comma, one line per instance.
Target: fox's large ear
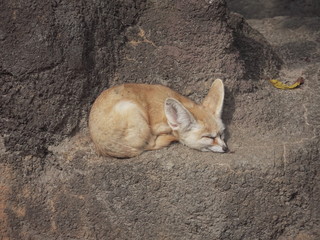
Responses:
[214,100]
[177,115]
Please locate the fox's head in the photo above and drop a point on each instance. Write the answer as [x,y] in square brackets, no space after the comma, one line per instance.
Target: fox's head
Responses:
[200,126]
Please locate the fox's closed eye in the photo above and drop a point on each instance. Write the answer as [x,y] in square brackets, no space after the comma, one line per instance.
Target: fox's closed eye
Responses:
[210,137]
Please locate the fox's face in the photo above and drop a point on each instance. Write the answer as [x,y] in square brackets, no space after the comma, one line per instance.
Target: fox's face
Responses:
[199,127]
[205,136]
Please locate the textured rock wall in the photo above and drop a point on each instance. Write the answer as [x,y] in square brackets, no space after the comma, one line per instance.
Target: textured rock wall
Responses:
[185,45]
[56,56]
[273,8]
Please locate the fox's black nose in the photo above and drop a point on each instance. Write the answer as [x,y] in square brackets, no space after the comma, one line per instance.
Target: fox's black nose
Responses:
[225,149]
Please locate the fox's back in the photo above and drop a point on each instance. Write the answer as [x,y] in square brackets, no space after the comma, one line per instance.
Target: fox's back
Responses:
[149,98]
[140,93]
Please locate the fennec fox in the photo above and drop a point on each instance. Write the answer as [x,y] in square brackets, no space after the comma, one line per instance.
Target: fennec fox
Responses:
[128,119]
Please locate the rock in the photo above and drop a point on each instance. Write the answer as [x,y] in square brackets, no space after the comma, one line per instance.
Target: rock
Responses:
[55,58]
[54,186]
[272,8]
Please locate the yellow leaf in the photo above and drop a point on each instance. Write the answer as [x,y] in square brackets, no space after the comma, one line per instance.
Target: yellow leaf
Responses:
[276,83]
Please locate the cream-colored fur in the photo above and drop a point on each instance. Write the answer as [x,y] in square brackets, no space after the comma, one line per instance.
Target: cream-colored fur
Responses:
[128,119]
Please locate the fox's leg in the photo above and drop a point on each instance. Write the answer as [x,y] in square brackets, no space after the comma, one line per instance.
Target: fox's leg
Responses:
[161,141]
[160,129]
[161,136]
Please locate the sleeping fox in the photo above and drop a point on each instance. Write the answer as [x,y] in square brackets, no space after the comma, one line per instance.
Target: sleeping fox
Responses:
[128,119]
